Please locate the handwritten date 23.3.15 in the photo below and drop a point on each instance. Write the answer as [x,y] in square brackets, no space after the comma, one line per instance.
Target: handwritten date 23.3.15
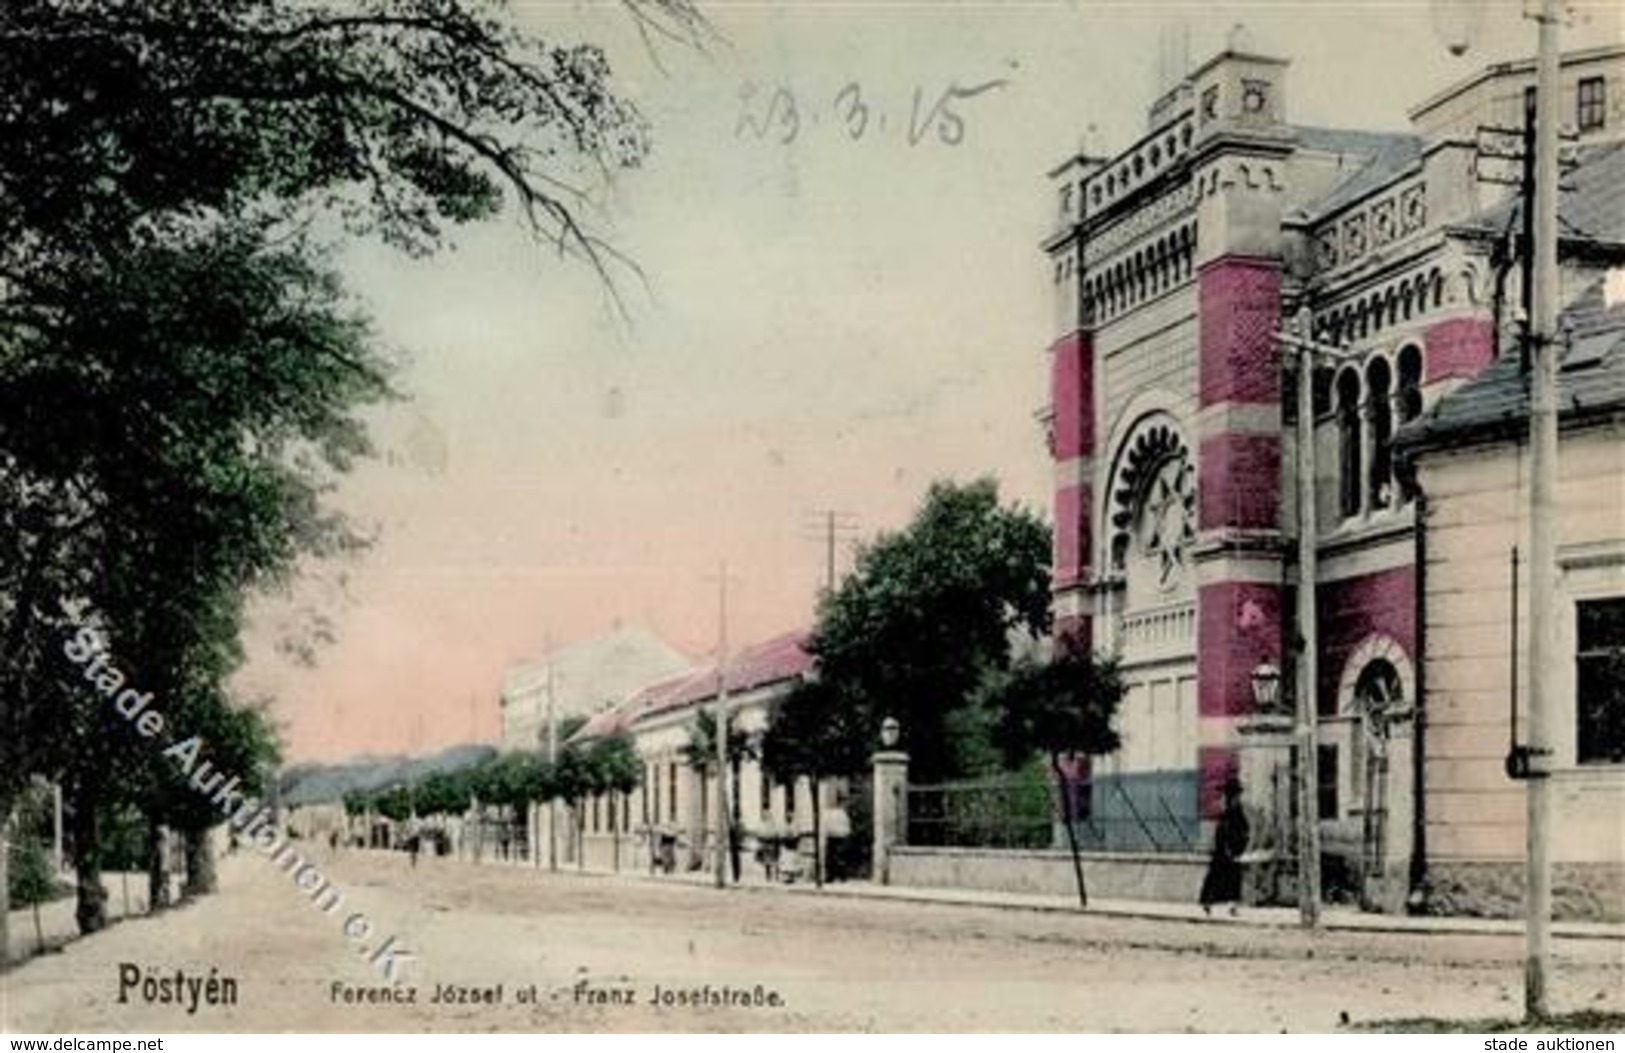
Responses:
[777,114]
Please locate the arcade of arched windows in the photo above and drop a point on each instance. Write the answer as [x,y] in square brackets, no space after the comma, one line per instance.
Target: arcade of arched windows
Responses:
[1380,310]
[1367,402]
[1150,271]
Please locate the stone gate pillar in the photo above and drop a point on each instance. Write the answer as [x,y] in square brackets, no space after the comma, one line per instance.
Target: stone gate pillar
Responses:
[891,808]
[1264,763]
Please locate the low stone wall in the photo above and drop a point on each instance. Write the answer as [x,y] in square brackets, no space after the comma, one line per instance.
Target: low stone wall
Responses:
[1580,891]
[1114,875]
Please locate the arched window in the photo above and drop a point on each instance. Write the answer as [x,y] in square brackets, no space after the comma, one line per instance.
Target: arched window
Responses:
[1348,438]
[1408,406]
[1152,511]
[1380,410]
[1322,393]
[1410,383]
[1378,692]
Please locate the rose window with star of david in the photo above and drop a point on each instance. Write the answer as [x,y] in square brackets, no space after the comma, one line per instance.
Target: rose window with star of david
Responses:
[1165,526]
[1154,511]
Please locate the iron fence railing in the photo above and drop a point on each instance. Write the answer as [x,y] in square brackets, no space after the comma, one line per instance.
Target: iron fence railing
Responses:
[1137,812]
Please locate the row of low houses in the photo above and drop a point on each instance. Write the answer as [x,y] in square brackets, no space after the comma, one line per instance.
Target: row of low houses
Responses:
[670,818]
[1172,432]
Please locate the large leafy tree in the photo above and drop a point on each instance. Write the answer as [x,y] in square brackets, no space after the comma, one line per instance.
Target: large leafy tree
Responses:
[204,436]
[166,331]
[405,114]
[926,614]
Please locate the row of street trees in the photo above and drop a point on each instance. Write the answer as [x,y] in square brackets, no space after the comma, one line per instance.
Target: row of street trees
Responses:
[608,767]
[181,371]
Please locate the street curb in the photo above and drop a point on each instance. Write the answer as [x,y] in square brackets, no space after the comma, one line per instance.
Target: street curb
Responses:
[1375,924]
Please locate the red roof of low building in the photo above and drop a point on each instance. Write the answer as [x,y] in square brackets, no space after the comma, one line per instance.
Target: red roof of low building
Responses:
[771,661]
[783,657]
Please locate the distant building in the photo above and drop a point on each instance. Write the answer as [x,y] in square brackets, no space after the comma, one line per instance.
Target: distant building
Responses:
[581,679]
[1174,264]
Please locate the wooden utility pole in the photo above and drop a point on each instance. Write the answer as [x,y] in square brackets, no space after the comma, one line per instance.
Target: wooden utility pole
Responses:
[723,816]
[1543,670]
[1306,711]
[826,525]
[1308,715]
[1531,762]
[552,760]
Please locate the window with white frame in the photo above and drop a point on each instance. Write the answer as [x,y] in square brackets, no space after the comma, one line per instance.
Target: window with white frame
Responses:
[1591,104]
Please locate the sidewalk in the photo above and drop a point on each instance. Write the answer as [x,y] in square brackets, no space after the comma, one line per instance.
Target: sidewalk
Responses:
[57,919]
[1333,918]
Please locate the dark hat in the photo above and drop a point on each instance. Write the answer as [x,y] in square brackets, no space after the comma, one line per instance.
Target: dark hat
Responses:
[1232,787]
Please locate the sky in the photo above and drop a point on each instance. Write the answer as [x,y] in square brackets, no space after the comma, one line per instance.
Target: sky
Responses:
[830,322]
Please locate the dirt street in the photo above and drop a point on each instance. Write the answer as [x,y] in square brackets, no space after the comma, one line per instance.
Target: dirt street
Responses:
[570,951]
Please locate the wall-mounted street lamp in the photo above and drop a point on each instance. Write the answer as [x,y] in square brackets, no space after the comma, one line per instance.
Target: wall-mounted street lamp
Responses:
[891,732]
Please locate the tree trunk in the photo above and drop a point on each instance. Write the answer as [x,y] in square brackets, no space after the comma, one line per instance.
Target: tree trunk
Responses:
[201,879]
[818,834]
[6,805]
[39,930]
[735,826]
[580,813]
[1071,832]
[615,832]
[157,871]
[91,911]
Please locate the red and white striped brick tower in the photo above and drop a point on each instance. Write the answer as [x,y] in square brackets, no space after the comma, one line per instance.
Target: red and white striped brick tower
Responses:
[1241,147]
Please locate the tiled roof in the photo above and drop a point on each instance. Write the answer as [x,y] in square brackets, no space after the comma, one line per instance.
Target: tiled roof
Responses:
[771,661]
[780,658]
[1592,204]
[1591,381]
[1378,157]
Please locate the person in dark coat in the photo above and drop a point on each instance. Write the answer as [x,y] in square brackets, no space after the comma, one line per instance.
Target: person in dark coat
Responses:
[1223,881]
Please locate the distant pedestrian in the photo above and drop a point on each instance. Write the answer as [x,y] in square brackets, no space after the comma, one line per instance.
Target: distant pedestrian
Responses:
[413,845]
[1223,881]
[767,854]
